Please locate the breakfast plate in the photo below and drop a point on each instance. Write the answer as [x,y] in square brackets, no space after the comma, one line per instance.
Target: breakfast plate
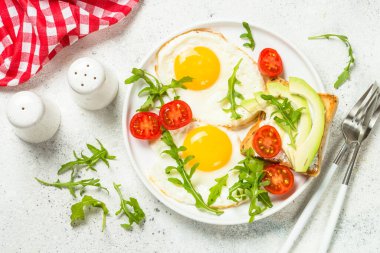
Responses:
[143,157]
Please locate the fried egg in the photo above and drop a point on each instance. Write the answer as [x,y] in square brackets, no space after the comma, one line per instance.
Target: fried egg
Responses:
[209,59]
[216,149]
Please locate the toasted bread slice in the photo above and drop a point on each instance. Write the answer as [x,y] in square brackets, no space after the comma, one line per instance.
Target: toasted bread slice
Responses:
[330,102]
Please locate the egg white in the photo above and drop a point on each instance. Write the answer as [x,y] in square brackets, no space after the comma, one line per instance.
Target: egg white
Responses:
[202,181]
[206,104]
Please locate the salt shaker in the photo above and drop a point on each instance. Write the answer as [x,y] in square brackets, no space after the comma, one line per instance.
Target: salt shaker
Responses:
[92,85]
[34,119]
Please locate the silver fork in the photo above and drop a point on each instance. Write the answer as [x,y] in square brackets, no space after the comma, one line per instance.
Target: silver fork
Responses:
[351,124]
[356,113]
[355,132]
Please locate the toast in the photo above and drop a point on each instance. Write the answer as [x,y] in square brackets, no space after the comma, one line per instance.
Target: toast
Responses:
[330,102]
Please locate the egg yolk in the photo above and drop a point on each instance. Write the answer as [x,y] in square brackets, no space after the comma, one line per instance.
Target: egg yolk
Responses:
[210,147]
[201,64]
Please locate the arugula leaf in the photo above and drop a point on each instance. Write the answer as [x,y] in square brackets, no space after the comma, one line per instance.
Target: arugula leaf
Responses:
[250,185]
[248,35]
[289,116]
[136,216]
[77,209]
[232,94]
[216,190]
[85,161]
[72,186]
[186,183]
[345,75]
[155,89]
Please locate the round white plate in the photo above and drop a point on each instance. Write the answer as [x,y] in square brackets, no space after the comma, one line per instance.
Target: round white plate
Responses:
[142,156]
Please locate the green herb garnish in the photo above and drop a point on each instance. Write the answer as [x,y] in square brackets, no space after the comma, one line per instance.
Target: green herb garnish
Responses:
[77,210]
[250,185]
[136,216]
[87,162]
[73,186]
[216,190]
[232,94]
[248,35]
[289,116]
[155,89]
[174,152]
[345,75]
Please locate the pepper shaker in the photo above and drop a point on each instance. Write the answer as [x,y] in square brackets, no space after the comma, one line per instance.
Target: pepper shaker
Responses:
[34,119]
[92,85]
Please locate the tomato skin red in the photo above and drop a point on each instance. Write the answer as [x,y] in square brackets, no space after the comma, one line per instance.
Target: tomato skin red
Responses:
[267,142]
[280,177]
[145,126]
[175,114]
[270,63]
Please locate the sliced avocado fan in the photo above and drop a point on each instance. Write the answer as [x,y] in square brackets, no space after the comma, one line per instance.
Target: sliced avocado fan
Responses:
[306,152]
[276,89]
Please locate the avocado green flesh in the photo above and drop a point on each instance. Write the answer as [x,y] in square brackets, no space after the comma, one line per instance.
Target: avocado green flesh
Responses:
[311,126]
[306,152]
[254,105]
[304,125]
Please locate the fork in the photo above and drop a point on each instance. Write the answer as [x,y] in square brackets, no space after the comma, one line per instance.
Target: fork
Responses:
[356,113]
[355,133]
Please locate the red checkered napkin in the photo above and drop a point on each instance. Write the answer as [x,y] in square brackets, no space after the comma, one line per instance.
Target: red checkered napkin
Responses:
[32,32]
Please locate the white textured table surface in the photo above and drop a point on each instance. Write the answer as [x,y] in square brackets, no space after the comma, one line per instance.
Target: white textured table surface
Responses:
[36,219]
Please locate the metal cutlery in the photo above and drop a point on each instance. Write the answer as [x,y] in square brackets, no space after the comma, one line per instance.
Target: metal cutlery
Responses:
[355,133]
[354,118]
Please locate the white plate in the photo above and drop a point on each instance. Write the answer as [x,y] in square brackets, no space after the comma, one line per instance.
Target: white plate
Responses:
[142,157]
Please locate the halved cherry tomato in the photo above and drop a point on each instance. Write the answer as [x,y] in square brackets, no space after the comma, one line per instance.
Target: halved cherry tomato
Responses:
[267,141]
[175,114]
[145,126]
[270,63]
[280,177]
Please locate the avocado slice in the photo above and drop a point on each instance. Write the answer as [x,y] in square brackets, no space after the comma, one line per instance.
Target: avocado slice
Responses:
[255,104]
[311,125]
[306,152]
[276,89]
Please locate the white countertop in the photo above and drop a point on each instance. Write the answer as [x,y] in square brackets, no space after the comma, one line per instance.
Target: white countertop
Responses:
[34,218]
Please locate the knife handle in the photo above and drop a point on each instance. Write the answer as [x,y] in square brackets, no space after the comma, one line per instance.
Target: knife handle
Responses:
[308,211]
[335,212]
[334,215]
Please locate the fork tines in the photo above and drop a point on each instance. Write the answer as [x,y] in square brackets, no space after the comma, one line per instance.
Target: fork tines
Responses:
[363,102]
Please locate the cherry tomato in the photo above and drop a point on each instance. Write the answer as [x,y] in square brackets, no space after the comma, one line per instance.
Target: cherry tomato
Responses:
[280,177]
[270,63]
[145,126]
[267,142]
[175,114]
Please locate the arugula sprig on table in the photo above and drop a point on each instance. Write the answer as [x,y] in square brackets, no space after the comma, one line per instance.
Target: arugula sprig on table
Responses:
[87,162]
[136,216]
[250,185]
[216,190]
[232,94]
[289,116]
[78,212]
[155,91]
[174,153]
[73,186]
[78,209]
[81,162]
[248,35]
[345,75]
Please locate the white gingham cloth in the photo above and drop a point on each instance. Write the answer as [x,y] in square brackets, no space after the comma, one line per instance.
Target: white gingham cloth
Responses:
[34,31]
